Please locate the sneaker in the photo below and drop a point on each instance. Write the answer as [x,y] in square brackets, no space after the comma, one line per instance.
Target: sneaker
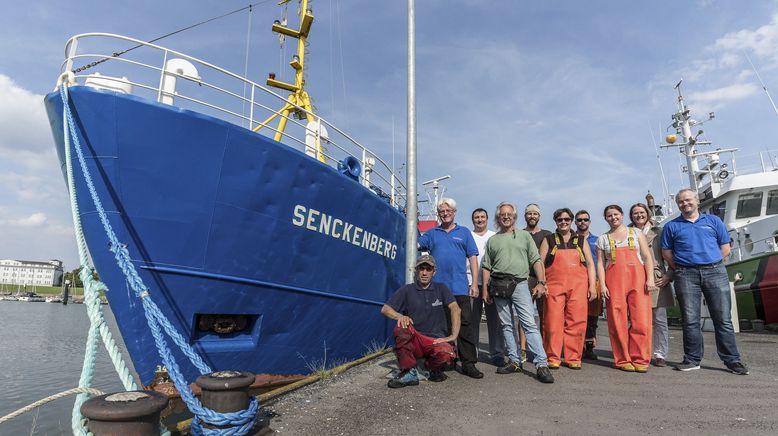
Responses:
[471,371]
[737,368]
[544,375]
[509,368]
[408,377]
[660,362]
[687,366]
[588,353]
[437,376]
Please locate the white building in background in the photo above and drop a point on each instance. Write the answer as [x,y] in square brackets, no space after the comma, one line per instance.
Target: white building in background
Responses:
[32,273]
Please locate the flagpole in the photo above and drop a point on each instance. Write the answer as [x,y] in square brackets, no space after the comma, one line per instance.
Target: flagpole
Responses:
[411,206]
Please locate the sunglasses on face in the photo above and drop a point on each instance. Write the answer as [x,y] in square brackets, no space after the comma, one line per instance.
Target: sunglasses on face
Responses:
[425,268]
[563,220]
[582,220]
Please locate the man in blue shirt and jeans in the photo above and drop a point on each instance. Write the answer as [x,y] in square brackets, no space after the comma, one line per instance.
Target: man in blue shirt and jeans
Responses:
[695,245]
[453,247]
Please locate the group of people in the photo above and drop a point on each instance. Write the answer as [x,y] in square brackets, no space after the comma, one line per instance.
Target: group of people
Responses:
[566,274]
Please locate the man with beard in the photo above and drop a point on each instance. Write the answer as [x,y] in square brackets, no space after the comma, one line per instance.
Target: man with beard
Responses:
[532,218]
[582,222]
[452,245]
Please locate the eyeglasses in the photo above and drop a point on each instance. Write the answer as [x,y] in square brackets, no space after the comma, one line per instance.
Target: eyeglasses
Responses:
[563,220]
[445,212]
[582,220]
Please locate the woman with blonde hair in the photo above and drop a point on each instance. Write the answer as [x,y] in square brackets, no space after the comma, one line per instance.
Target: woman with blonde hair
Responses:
[626,274]
[662,297]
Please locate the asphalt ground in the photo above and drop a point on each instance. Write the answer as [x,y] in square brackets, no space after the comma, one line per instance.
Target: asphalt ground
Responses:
[594,400]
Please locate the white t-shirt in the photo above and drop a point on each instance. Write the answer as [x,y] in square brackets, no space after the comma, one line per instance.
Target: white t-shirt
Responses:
[480,242]
[604,245]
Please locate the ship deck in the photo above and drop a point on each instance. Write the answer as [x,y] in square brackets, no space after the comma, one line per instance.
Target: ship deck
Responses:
[594,400]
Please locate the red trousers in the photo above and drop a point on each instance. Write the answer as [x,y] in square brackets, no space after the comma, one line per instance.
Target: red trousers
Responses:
[629,309]
[411,345]
[564,317]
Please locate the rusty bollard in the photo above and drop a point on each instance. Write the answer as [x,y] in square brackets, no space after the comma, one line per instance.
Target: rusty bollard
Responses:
[125,413]
[224,392]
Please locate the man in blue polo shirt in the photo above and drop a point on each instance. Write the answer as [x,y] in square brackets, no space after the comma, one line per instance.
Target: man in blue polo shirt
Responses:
[694,245]
[422,326]
[451,244]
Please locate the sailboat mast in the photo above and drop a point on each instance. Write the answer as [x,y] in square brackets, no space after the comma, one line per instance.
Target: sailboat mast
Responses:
[411,206]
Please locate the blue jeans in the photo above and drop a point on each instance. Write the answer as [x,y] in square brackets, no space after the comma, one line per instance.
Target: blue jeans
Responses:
[690,285]
[496,343]
[521,300]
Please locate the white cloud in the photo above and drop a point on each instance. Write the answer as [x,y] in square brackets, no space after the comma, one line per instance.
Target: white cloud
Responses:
[22,119]
[723,95]
[37,219]
[762,41]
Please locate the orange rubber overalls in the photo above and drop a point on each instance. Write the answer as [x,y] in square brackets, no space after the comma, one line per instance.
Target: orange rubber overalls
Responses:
[629,305]
[565,310]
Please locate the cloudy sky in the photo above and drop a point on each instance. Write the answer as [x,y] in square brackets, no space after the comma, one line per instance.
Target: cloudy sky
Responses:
[555,102]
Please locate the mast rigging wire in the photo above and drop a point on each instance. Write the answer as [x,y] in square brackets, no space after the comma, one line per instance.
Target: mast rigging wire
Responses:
[246,64]
[117,54]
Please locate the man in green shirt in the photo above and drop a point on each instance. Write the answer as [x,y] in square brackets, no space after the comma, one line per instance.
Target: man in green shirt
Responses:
[512,252]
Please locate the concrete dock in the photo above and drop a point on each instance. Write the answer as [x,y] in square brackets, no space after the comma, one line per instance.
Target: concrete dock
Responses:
[595,400]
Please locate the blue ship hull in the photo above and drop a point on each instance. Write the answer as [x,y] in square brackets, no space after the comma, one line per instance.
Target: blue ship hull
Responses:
[223,221]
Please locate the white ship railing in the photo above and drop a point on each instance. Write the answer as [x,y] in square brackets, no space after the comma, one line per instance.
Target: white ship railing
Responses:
[219,93]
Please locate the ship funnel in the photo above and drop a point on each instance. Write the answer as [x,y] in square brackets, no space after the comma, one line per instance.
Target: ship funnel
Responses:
[175,68]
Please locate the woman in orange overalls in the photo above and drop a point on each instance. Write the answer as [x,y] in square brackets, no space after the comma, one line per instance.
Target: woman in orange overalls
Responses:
[571,284]
[626,272]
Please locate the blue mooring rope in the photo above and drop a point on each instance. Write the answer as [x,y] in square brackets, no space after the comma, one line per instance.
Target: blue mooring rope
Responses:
[242,421]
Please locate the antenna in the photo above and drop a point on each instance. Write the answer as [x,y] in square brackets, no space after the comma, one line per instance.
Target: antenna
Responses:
[665,189]
[764,87]
[435,186]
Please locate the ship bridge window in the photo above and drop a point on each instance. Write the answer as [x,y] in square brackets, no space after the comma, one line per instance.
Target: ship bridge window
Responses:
[772,202]
[749,205]
[719,208]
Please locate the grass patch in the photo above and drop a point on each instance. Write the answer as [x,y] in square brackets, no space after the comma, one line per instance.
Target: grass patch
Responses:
[375,346]
[321,367]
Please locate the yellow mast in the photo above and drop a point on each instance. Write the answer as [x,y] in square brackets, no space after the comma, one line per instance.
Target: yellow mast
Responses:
[299,97]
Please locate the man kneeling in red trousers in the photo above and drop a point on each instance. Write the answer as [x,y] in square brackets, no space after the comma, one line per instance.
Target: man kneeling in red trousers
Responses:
[422,326]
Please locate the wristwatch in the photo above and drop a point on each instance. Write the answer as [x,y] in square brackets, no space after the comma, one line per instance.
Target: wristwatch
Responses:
[542,282]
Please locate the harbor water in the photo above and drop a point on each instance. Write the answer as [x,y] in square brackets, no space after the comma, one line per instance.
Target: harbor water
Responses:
[41,353]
